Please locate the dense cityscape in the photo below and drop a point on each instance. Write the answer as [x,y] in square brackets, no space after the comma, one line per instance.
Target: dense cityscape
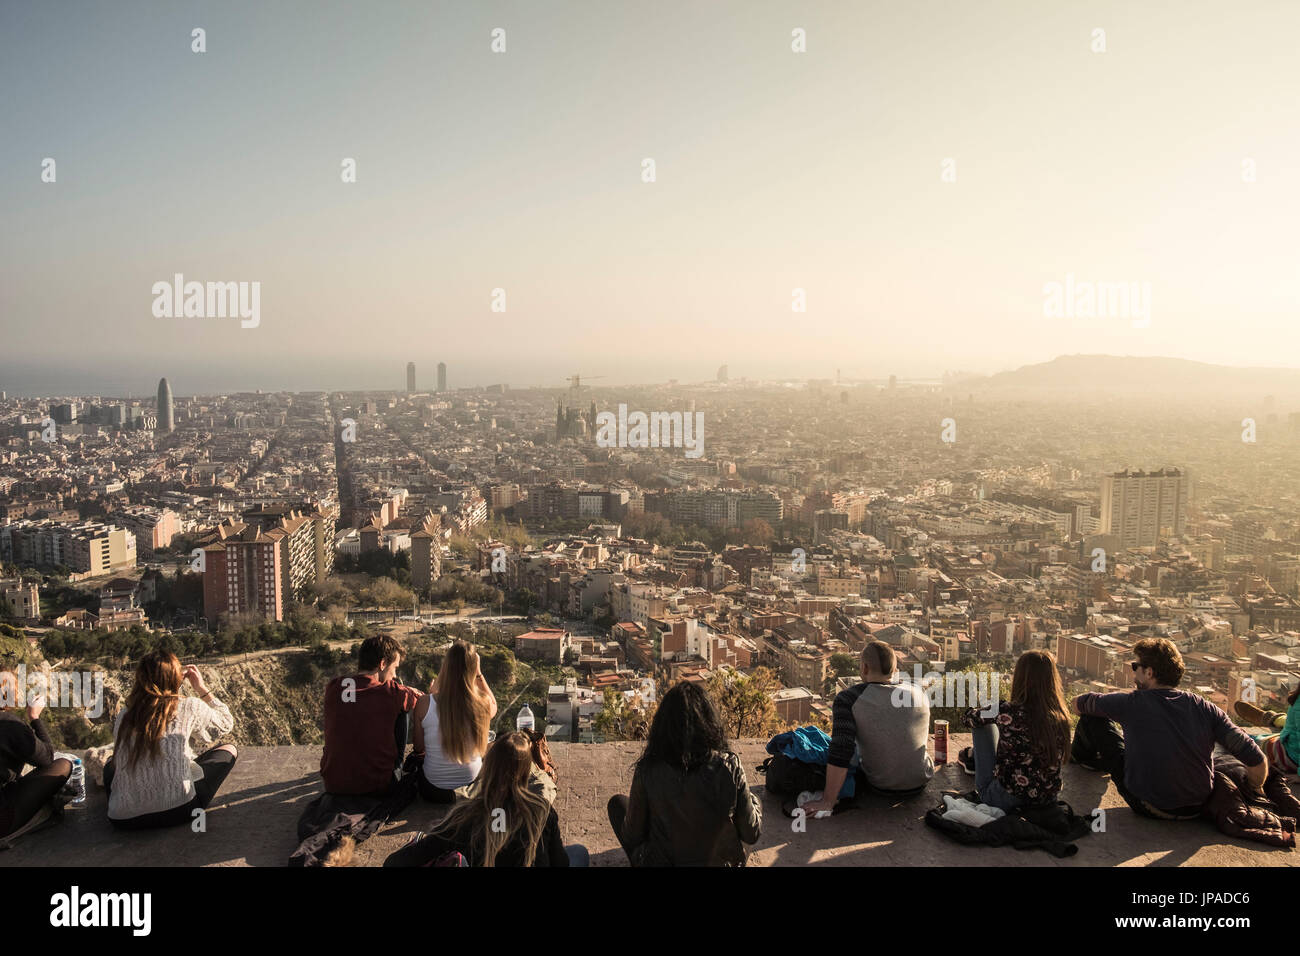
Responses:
[959,522]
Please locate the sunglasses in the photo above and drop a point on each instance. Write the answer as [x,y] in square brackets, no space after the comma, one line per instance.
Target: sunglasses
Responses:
[1135,665]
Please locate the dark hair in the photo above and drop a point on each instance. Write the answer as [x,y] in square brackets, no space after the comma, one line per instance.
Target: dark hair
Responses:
[1036,686]
[686,731]
[1290,701]
[880,654]
[375,650]
[1160,654]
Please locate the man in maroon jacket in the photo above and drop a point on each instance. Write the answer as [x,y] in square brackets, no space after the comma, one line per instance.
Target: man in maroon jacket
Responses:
[366,722]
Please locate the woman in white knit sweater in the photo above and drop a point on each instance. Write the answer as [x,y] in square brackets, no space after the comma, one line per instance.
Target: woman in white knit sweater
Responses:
[154,779]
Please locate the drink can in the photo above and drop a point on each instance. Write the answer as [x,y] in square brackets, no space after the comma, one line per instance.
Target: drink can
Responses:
[941,741]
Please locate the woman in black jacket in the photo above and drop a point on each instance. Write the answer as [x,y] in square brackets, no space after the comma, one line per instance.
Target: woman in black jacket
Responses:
[503,823]
[24,798]
[690,803]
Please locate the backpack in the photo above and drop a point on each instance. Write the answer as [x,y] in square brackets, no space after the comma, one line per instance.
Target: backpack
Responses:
[788,777]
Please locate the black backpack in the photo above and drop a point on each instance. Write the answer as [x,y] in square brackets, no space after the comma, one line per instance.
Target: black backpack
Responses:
[787,777]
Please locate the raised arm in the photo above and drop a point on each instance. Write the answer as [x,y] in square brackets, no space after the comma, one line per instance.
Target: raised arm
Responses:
[417,724]
[482,685]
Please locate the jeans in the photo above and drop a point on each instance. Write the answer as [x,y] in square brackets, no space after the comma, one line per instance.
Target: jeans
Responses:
[1097,741]
[984,741]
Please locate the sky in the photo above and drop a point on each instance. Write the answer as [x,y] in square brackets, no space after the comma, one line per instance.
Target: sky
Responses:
[523,170]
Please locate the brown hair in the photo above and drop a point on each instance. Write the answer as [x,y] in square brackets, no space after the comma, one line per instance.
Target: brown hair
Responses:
[502,785]
[151,706]
[542,758]
[881,655]
[1162,657]
[375,650]
[1036,686]
[463,715]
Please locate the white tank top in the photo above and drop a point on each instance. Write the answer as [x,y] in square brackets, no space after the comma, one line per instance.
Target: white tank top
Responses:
[439,769]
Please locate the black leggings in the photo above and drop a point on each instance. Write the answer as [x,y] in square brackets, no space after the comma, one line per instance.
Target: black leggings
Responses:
[432,793]
[22,799]
[617,809]
[216,765]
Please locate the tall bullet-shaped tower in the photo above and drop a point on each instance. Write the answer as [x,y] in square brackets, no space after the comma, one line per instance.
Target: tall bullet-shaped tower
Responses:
[166,413]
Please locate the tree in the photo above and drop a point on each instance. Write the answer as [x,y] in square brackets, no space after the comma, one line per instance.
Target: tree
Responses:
[609,722]
[744,701]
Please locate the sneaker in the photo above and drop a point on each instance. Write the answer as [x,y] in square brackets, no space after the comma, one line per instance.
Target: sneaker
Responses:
[1251,714]
[966,759]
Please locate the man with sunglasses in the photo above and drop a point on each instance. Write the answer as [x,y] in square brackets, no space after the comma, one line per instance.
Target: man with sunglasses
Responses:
[1163,763]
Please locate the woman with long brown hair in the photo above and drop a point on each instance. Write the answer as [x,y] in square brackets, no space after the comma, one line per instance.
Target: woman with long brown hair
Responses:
[154,779]
[451,724]
[504,823]
[1018,750]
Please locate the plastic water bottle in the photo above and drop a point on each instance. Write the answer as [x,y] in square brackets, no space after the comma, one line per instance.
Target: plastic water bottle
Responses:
[77,781]
[525,719]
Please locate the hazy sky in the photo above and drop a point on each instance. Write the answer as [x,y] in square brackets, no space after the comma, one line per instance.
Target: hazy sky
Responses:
[522,171]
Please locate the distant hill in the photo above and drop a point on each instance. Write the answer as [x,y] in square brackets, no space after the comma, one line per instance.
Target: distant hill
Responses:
[1119,373]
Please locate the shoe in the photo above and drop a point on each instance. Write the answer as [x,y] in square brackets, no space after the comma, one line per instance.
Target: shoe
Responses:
[1088,763]
[966,759]
[1252,715]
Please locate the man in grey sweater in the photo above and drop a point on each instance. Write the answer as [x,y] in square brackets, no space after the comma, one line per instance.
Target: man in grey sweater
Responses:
[888,721]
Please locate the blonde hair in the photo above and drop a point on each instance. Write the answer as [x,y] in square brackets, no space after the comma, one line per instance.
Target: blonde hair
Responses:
[502,785]
[8,688]
[463,715]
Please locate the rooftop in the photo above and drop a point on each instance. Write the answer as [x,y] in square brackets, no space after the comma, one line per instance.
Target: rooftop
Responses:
[253,821]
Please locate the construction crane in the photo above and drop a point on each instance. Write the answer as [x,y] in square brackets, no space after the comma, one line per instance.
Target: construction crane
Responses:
[575,380]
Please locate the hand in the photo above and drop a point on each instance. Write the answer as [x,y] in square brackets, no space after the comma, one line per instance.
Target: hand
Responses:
[812,807]
[191,674]
[35,708]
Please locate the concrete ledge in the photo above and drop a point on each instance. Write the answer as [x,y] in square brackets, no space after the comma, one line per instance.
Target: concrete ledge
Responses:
[253,820]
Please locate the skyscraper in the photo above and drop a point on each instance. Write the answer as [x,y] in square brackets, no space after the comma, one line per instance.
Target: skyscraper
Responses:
[1143,507]
[410,376]
[166,412]
[442,376]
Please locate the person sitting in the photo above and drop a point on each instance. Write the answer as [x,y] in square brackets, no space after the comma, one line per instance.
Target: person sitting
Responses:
[25,801]
[1281,749]
[366,719]
[690,803]
[884,724]
[504,823]
[1018,751]
[1162,764]
[451,725]
[154,779]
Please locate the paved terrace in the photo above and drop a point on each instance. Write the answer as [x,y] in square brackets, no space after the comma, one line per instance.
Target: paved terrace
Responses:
[252,823]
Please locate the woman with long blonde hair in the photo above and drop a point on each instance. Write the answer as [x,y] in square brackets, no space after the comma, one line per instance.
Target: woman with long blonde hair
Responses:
[154,778]
[451,724]
[504,823]
[1019,747]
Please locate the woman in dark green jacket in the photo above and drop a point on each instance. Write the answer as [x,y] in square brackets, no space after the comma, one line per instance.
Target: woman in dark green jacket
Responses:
[690,803]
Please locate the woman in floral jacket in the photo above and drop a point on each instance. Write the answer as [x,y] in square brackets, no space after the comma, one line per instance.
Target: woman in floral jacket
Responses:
[1018,751]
